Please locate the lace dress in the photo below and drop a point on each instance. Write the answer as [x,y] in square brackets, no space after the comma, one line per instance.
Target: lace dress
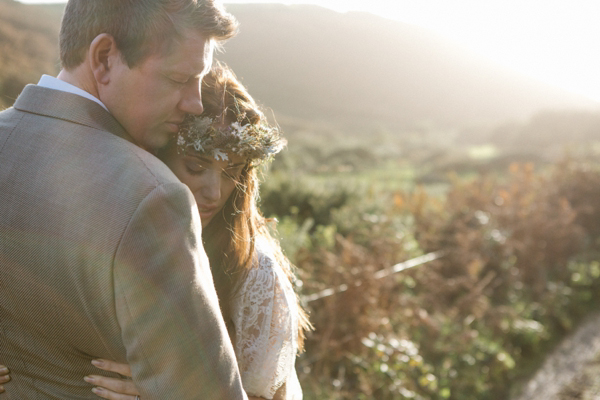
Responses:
[265,319]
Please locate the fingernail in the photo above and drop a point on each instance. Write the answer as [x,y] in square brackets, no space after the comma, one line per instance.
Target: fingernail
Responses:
[1,389]
[88,379]
[3,370]
[97,390]
[97,363]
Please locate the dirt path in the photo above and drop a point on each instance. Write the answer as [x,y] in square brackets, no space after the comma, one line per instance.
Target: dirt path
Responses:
[572,371]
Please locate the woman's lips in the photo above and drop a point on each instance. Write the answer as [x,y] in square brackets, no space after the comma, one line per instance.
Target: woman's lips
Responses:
[206,211]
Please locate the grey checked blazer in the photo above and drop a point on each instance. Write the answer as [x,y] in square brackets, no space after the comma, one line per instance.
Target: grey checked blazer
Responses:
[100,256]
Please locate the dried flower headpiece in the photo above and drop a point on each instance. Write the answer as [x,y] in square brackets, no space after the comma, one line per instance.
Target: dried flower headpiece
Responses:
[256,142]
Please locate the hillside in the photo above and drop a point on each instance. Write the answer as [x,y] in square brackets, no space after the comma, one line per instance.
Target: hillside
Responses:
[28,46]
[352,70]
[311,62]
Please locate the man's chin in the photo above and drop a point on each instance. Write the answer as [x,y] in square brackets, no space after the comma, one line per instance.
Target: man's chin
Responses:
[155,142]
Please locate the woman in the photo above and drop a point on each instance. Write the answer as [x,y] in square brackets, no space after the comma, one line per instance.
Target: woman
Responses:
[216,155]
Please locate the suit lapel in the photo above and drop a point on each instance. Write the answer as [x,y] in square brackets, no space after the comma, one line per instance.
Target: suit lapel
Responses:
[69,107]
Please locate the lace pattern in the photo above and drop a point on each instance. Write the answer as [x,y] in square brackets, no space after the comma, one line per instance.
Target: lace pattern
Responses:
[265,318]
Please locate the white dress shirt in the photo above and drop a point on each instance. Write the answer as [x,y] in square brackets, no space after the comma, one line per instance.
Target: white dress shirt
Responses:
[51,82]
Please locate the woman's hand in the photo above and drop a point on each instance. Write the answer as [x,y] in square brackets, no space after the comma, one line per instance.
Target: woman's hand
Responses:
[4,377]
[107,388]
[113,388]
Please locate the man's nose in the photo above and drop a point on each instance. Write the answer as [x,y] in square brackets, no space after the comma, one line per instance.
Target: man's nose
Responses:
[191,103]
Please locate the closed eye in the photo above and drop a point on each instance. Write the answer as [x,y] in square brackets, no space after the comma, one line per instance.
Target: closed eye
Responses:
[194,168]
[179,79]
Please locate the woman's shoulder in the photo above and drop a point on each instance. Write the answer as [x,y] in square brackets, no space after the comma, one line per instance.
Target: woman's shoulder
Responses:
[265,260]
[268,271]
[266,291]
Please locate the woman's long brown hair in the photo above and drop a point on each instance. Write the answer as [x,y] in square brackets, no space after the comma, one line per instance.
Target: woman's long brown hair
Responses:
[229,239]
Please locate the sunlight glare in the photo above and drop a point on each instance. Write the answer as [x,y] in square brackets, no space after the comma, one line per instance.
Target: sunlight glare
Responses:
[554,42]
[551,41]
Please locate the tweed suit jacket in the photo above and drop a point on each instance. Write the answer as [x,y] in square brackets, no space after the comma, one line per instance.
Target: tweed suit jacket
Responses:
[101,256]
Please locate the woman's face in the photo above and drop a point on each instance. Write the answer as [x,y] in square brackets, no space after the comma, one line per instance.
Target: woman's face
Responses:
[211,181]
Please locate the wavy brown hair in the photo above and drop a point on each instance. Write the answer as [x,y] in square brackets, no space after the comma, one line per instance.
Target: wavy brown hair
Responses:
[229,239]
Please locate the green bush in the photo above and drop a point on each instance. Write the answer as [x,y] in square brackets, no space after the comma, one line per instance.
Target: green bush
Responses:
[304,199]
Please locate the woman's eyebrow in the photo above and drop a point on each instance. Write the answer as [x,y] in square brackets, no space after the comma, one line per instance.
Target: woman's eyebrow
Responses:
[198,156]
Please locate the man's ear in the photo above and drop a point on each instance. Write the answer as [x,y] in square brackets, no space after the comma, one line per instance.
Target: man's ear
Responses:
[103,55]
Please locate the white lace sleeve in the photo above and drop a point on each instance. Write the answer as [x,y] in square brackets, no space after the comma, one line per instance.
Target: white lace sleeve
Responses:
[265,317]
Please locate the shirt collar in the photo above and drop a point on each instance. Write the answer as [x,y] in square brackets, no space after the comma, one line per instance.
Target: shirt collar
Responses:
[51,82]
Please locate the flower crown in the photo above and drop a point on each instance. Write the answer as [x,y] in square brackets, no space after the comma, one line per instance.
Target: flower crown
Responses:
[256,142]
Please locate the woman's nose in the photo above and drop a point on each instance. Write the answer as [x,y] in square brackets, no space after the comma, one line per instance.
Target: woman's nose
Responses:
[210,187]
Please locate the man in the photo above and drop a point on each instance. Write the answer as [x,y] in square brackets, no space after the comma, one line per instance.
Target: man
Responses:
[100,246]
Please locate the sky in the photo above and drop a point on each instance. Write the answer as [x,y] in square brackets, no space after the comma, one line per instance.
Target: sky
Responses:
[554,41]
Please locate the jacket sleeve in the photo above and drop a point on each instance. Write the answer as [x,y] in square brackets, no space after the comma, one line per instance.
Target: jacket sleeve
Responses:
[166,304]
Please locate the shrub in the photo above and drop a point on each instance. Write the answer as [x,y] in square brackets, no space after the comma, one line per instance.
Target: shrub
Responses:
[519,271]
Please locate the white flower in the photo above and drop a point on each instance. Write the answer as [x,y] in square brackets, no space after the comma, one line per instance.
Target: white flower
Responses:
[236,126]
[220,155]
[238,129]
[198,146]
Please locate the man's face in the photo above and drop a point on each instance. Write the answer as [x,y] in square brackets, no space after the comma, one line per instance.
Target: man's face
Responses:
[151,99]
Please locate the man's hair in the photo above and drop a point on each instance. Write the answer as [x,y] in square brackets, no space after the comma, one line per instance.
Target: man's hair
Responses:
[139,27]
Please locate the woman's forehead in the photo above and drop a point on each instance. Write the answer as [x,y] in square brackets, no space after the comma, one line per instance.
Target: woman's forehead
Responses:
[232,158]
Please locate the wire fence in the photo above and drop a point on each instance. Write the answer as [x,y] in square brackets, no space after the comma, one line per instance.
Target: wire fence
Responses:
[414,262]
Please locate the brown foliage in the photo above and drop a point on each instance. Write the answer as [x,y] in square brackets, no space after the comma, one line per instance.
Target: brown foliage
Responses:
[477,316]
